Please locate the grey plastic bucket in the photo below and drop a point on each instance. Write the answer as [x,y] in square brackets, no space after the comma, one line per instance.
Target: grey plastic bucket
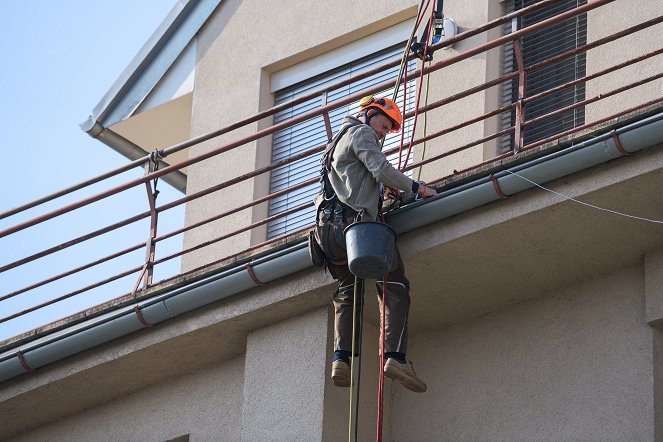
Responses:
[370,247]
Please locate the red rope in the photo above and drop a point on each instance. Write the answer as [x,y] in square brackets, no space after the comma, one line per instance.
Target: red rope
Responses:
[420,88]
[400,147]
[404,83]
[421,17]
[380,416]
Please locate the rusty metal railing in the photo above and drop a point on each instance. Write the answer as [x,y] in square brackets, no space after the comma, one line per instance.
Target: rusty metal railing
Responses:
[151,163]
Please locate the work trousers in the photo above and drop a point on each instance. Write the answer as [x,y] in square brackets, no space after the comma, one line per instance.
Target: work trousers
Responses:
[397,305]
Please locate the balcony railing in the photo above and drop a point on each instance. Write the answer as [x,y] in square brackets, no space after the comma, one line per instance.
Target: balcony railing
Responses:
[143,271]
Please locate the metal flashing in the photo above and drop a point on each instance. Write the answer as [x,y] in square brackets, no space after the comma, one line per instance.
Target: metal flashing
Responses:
[151,63]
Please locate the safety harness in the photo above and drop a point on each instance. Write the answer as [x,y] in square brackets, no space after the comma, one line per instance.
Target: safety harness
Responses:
[331,210]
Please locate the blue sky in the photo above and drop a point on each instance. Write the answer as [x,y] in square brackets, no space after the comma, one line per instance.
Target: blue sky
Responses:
[59,59]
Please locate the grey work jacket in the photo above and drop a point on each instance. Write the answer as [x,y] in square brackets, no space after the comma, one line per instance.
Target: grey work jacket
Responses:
[358,167]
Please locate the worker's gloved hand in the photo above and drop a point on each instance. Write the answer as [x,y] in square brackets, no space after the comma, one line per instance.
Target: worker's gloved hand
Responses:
[424,191]
[391,194]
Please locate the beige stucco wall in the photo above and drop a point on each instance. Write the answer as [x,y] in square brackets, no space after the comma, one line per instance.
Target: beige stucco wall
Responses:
[230,85]
[606,21]
[206,405]
[285,367]
[562,355]
[242,43]
[452,80]
[575,364]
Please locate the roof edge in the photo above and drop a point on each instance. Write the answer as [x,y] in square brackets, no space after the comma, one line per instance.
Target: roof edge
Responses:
[150,63]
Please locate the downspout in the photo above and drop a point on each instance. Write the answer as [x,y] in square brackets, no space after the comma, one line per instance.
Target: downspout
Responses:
[634,137]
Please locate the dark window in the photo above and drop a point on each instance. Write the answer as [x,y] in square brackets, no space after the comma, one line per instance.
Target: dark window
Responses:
[309,134]
[541,45]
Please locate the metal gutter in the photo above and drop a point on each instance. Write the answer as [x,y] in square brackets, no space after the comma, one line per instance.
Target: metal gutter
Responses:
[601,149]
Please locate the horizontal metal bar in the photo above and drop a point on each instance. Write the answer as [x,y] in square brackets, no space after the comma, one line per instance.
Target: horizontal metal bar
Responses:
[69,295]
[73,271]
[593,76]
[460,149]
[73,242]
[594,44]
[160,209]
[136,163]
[475,167]
[463,94]
[319,92]
[236,232]
[279,239]
[160,238]
[268,131]
[588,125]
[237,209]
[594,99]
[530,146]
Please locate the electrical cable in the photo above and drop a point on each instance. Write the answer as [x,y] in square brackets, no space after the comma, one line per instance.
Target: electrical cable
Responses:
[614,212]
[402,76]
[402,141]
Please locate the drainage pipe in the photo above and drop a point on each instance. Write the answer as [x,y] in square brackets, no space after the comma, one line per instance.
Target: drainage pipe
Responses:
[48,349]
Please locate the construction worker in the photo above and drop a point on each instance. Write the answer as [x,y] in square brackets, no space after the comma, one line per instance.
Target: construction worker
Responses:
[354,168]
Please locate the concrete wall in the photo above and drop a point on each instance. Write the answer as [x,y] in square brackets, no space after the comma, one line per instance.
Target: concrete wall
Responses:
[233,82]
[608,20]
[238,49]
[571,365]
[275,391]
[284,380]
[205,405]
[575,360]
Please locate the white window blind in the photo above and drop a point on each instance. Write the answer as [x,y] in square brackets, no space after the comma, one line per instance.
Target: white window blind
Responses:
[538,46]
[311,133]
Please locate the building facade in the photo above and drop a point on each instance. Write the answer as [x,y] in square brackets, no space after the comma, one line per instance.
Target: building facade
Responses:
[533,317]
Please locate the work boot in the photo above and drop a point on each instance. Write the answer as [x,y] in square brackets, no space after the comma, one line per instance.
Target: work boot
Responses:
[403,373]
[341,373]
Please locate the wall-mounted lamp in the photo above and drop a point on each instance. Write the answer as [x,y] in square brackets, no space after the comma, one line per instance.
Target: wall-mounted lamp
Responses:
[444,28]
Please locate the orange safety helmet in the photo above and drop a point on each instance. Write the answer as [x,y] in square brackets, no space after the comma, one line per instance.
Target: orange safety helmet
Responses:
[386,107]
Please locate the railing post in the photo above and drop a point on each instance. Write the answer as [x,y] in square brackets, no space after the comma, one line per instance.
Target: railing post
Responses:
[518,134]
[152,193]
[325,115]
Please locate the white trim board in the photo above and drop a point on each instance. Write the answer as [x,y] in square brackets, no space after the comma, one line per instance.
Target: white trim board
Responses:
[340,56]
